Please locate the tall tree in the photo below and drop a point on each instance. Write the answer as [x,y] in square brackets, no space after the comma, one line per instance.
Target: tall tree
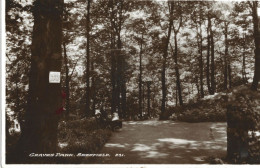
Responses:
[140,75]
[44,100]
[165,53]
[88,59]
[226,56]
[208,55]
[212,60]
[117,14]
[198,19]
[254,6]
[179,17]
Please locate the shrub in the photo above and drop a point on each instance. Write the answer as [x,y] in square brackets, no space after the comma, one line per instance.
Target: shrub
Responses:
[243,116]
[208,110]
[81,136]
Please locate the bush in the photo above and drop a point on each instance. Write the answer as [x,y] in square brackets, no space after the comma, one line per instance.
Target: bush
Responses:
[243,116]
[208,110]
[81,136]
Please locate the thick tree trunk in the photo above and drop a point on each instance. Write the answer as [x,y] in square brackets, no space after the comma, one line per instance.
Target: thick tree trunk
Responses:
[44,99]
[88,59]
[256,78]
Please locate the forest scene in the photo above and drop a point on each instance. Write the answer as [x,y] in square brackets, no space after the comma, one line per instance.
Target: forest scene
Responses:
[132,82]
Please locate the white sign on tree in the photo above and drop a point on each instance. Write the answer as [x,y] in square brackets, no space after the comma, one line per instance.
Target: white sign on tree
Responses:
[54,77]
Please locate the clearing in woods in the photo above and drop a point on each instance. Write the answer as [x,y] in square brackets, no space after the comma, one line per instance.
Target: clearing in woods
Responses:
[165,142]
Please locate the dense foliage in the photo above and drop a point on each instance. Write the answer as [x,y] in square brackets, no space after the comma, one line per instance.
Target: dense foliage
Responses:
[81,136]
[210,109]
[243,116]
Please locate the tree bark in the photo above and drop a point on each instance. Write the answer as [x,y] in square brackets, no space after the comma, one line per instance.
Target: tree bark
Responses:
[44,99]
[201,62]
[178,81]
[88,59]
[148,97]
[67,80]
[244,61]
[212,62]
[226,57]
[93,90]
[113,74]
[140,78]
[256,78]
[208,56]
[118,62]
[120,76]
[229,75]
[176,95]
[165,53]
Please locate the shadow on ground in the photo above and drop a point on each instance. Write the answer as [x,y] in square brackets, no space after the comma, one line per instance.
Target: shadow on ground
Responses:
[165,142]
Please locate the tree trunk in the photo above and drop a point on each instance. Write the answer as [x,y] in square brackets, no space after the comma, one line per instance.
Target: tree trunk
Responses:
[176,95]
[113,74]
[88,59]
[67,80]
[120,77]
[226,57]
[123,92]
[201,64]
[165,53]
[212,73]
[256,78]
[178,81]
[148,97]
[140,78]
[244,62]
[208,56]
[229,75]
[197,86]
[93,90]
[44,99]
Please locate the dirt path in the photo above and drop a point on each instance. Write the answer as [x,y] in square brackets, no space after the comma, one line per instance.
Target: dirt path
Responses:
[164,142]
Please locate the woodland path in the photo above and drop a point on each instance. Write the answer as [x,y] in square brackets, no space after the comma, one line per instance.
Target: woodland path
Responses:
[165,142]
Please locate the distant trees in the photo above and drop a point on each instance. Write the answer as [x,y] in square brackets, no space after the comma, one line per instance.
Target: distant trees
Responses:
[17,60]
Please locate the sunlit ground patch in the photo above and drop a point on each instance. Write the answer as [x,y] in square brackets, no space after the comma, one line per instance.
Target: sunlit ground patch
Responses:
[115,145]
